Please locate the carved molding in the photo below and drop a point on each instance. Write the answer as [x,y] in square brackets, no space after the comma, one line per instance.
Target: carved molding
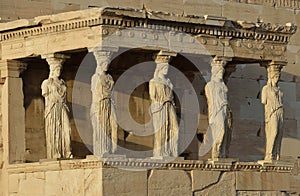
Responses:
[148,164]
[220,61]
[194,25]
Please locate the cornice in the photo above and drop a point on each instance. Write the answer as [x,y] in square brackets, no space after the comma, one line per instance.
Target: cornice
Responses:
[120,18]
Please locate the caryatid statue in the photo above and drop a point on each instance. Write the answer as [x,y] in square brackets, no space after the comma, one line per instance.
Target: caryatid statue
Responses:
[164,119]
[57,123]
[272,98]
[102,111]
[219,114]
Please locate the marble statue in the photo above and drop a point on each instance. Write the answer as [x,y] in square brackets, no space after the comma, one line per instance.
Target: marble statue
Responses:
[272,99]
[164,119]
[102,115]
[57,123]
[219,114]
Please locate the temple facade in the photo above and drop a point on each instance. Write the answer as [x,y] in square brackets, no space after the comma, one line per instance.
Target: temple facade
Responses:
[127,42]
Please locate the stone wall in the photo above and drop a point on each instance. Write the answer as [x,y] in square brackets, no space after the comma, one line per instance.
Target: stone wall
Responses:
[93,178]
[34,110]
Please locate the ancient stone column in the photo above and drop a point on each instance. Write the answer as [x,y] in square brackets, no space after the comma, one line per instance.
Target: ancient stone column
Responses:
[102,109]
[272,99]
[13,112]
[164,119]
[57,122]
[219,114]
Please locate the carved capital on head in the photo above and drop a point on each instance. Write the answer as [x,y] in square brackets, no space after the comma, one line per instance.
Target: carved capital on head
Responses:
[273,67]
[220,61]
[273,70]
[278,64]
[102,57]
[164,56]
[103,54]
[55,60]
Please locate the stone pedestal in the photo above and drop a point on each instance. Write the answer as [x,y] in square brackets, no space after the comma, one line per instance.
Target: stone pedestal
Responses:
[143,177]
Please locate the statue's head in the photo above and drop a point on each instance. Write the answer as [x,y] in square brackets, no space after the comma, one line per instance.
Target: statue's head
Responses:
[103,59]
[273,74]
[104,65]
[55,69]
[162,68]
[217,68]
[274,77]
[162,65]
[217,61]
[217,72]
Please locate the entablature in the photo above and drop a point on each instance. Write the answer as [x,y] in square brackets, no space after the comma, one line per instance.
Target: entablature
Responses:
[207,25]
[263,40]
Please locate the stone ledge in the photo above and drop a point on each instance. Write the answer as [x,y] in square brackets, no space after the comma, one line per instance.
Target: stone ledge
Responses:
[146,164]
[53,165]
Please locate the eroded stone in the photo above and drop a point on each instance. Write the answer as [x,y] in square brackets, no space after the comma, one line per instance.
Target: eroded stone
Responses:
[169,182]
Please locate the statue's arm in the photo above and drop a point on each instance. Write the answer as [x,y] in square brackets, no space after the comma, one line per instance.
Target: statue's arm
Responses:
[93,83]
[264,95]
[44,88]
[152,91]
[208,98]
